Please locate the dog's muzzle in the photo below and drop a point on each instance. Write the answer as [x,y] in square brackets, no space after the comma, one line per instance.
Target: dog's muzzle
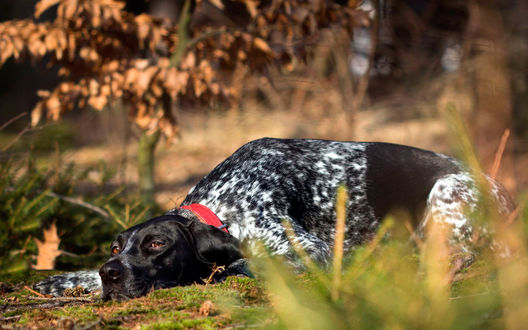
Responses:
[113,276]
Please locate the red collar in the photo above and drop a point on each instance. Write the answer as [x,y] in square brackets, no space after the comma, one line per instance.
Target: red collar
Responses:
[206,216]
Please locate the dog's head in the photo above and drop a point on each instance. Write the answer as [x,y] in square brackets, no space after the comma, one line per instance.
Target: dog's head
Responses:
[163,252]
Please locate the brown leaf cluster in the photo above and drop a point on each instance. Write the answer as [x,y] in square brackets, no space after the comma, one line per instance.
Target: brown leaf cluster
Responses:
[105,53]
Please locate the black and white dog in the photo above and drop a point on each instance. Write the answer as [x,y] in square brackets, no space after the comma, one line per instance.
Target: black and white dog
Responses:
[268,181]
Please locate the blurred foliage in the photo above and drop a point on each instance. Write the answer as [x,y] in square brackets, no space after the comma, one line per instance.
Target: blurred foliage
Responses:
[32,197]
[394,284]
[106,54]
[42,139]
[397,283]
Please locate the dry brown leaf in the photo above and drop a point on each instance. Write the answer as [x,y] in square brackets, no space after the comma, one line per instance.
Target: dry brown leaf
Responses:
[169,127]
[206,308]
[48,250]
[18,43]
[116,14]
[98,102]
[142,118]
[207,71]
[53,107]
[261,45]
[105,90]
[157,91]
[143,28]
[7,51]
[215,88]
[70,9]
[42,5]
[36,114]
[93,87]
[175,82]
[71,45]
[241,55]
[43,93]
[96,14]
[189,61]
[155,37]
[51,41]
[131,77]
[65,87]
[199,87]
[144,78]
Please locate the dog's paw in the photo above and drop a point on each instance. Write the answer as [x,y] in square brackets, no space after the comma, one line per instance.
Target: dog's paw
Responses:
[237,268]
[55,285]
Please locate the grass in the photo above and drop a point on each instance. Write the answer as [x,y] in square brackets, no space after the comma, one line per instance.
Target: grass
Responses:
[236,302]
[387,284]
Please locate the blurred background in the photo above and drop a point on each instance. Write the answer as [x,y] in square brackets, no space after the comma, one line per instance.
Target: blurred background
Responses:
[386,70]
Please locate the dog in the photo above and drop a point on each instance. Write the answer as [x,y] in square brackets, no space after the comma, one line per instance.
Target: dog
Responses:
[248,196]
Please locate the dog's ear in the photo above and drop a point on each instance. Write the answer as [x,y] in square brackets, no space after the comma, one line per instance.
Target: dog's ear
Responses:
[212,245]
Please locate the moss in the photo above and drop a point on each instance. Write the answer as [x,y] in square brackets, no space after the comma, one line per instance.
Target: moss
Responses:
[81,314]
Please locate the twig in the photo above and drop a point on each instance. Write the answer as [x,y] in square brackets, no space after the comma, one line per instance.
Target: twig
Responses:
[25,307]
[61,299]
[17,137]
[10,318]
[417,240]
[33,291]
[514,214]
[470,296]
[12,120]
[79,202]
[216,269]
[69,254]
[498,156]
[75,201]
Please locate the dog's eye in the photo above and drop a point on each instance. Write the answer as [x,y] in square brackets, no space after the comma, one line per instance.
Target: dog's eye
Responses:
[115,250]
[156,244]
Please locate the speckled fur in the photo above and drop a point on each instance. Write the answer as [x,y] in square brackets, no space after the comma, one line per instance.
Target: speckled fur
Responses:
[55,285]
[454,198]
[268,181]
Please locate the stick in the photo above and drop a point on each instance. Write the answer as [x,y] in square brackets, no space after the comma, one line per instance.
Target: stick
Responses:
[33,291]
[498,156]
[10,318]
[62,299]
[216,269]
[76,201]
[12,120]
[81,203]
[19,135]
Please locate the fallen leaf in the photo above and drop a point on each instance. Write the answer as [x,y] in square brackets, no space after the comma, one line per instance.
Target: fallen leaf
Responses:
[206,308]
[48,250]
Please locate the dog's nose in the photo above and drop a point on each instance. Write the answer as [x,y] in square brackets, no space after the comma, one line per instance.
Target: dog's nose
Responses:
[111,271]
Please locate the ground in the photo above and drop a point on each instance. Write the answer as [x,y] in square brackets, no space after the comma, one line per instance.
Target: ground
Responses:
[237,302]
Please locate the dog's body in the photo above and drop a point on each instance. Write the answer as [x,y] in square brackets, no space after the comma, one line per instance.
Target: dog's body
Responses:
[269,181]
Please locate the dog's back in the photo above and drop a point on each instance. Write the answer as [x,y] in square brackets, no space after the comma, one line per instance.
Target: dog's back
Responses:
[270,180]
